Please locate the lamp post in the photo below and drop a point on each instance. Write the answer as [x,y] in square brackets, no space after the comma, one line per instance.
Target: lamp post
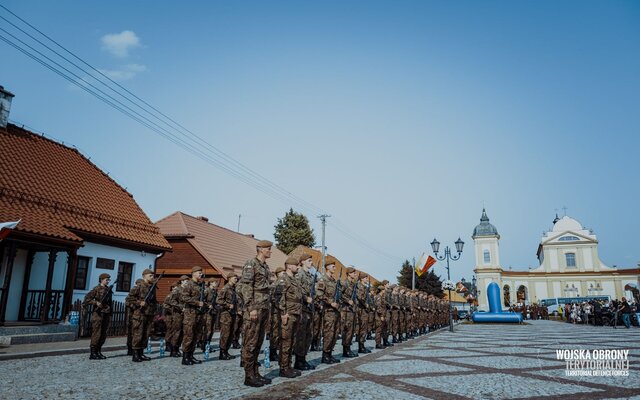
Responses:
[474,290]
[435,246]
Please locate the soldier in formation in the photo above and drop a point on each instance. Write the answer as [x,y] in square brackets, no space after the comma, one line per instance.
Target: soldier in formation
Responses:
[142,305]
[173,317]
[228,309]
[100,297]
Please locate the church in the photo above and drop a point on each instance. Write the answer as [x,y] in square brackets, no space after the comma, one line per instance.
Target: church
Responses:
[569,266]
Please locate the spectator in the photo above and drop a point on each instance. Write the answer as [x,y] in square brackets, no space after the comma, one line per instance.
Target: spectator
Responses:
[625,309]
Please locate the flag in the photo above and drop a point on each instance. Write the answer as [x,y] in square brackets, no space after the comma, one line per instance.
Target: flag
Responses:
[424,264]
[6,228]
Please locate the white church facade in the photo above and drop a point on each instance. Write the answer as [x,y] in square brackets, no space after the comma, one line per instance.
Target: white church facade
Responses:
[569,267]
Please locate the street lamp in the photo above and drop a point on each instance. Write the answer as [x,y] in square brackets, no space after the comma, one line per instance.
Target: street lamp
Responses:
[474,290]
[435,246]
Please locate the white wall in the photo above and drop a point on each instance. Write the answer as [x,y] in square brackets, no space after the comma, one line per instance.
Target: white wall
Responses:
[140,260]
[40,267]
[15,288]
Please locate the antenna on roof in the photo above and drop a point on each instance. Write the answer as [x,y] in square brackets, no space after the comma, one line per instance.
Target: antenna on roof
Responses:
[239,217]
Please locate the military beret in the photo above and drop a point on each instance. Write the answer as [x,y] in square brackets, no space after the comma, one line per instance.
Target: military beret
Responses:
[179,282]
[279,269]
[350,270]
[184,277]
[305,257]
[380,288]
[264,243]
[362,275]
[328,263]
[139,281]
[393,286]
[232,275]
[196,269]
[212,280]
[147,271]
[104,276]
[384,282]
[292,261]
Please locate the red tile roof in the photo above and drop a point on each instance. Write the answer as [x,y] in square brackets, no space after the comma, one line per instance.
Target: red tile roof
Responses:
[58,193]
[224,249]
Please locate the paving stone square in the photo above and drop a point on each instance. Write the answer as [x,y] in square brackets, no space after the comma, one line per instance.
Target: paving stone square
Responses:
[403,367]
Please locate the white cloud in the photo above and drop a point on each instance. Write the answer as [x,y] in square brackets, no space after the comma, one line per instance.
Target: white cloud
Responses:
[125,73]
[119,44]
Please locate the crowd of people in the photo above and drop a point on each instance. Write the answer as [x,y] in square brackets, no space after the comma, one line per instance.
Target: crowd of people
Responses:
[299,309]
[599,312]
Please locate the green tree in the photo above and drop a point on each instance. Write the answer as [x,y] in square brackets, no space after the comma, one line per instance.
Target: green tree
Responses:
[429,282]
[292,231]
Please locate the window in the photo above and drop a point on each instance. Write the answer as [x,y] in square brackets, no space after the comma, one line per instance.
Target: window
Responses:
[125,271]
[569,239]
[82,272]
[487,257]
[571,259]
[105,263]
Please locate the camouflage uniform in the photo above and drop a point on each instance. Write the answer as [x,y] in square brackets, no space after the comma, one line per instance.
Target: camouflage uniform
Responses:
[209,318]
[303,336]
[100,317]
[331,318]
[173,320]
[348,318]
[274,320]
[362,301]
[381,317]
[227,303]
[395,315]
[141,316]
[192,318]
[254,290]
[290,303]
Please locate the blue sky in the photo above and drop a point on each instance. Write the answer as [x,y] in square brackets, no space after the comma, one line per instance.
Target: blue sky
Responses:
[401,119]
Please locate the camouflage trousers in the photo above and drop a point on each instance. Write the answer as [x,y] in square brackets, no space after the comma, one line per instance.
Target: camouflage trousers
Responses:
[252,337]
[140,325]
[381,328]
[330,323]
[371,322]
[99,325]
[402,326]
[363,325]
[316,325]
[348,327]
[237,327]
[191,326]
[395,322]
[274,331]
[288,333]
[303,335]
[226,329]
[209,320]
[173,336]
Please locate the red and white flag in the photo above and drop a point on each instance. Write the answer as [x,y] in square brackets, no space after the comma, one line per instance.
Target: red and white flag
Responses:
[424,264]
[6,228]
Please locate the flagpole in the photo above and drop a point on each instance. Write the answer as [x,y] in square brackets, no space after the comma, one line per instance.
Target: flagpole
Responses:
[413,275]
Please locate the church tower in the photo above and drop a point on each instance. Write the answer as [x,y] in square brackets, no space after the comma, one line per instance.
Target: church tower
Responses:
[485,238]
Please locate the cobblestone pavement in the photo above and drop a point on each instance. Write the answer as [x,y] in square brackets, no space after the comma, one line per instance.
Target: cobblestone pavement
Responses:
[476,361]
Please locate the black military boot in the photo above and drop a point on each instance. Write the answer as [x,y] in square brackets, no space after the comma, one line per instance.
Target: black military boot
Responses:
[307,365]
[173,349]
[299,364]
[136,356]
[129,351]
[362,349]
[314,346]
[193,359]
[287,373]
[178,353]
[236,345]
[352,354]
[326,358]
[379,347]
[273,354]
[394,340]
[261,378]
[253,382]
[345,352]
[100,355]
[224,355]
[186,360]
[333,359]
[142,356]
[94,354]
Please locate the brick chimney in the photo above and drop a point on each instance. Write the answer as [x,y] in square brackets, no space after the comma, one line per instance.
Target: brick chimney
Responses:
[5,106]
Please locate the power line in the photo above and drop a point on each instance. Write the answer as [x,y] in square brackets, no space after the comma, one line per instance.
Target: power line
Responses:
[188,141]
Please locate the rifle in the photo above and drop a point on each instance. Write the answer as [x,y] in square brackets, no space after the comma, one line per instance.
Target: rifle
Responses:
[338,289]
[367,299]
[234,301]
[312,292]
[203,309]
[106,295]
[354,295]
[153,288]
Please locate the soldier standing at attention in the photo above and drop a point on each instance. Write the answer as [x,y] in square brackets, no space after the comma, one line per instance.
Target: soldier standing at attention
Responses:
[371,326]
[209,319]
[173,318]
[303,336]
[381,314]
[129,324]
[100,297]
[255,294]
[362,299]
[331,318]
[274,320]
[349,313]
[290,306]
[228,310]
[191,317]
[316,326]
[143,304]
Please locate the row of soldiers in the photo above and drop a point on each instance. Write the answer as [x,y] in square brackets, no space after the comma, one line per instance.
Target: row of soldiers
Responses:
[301,310]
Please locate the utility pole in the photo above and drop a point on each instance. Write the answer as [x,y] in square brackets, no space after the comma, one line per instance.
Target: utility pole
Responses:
[323,218]
[239,216]
[413,274]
